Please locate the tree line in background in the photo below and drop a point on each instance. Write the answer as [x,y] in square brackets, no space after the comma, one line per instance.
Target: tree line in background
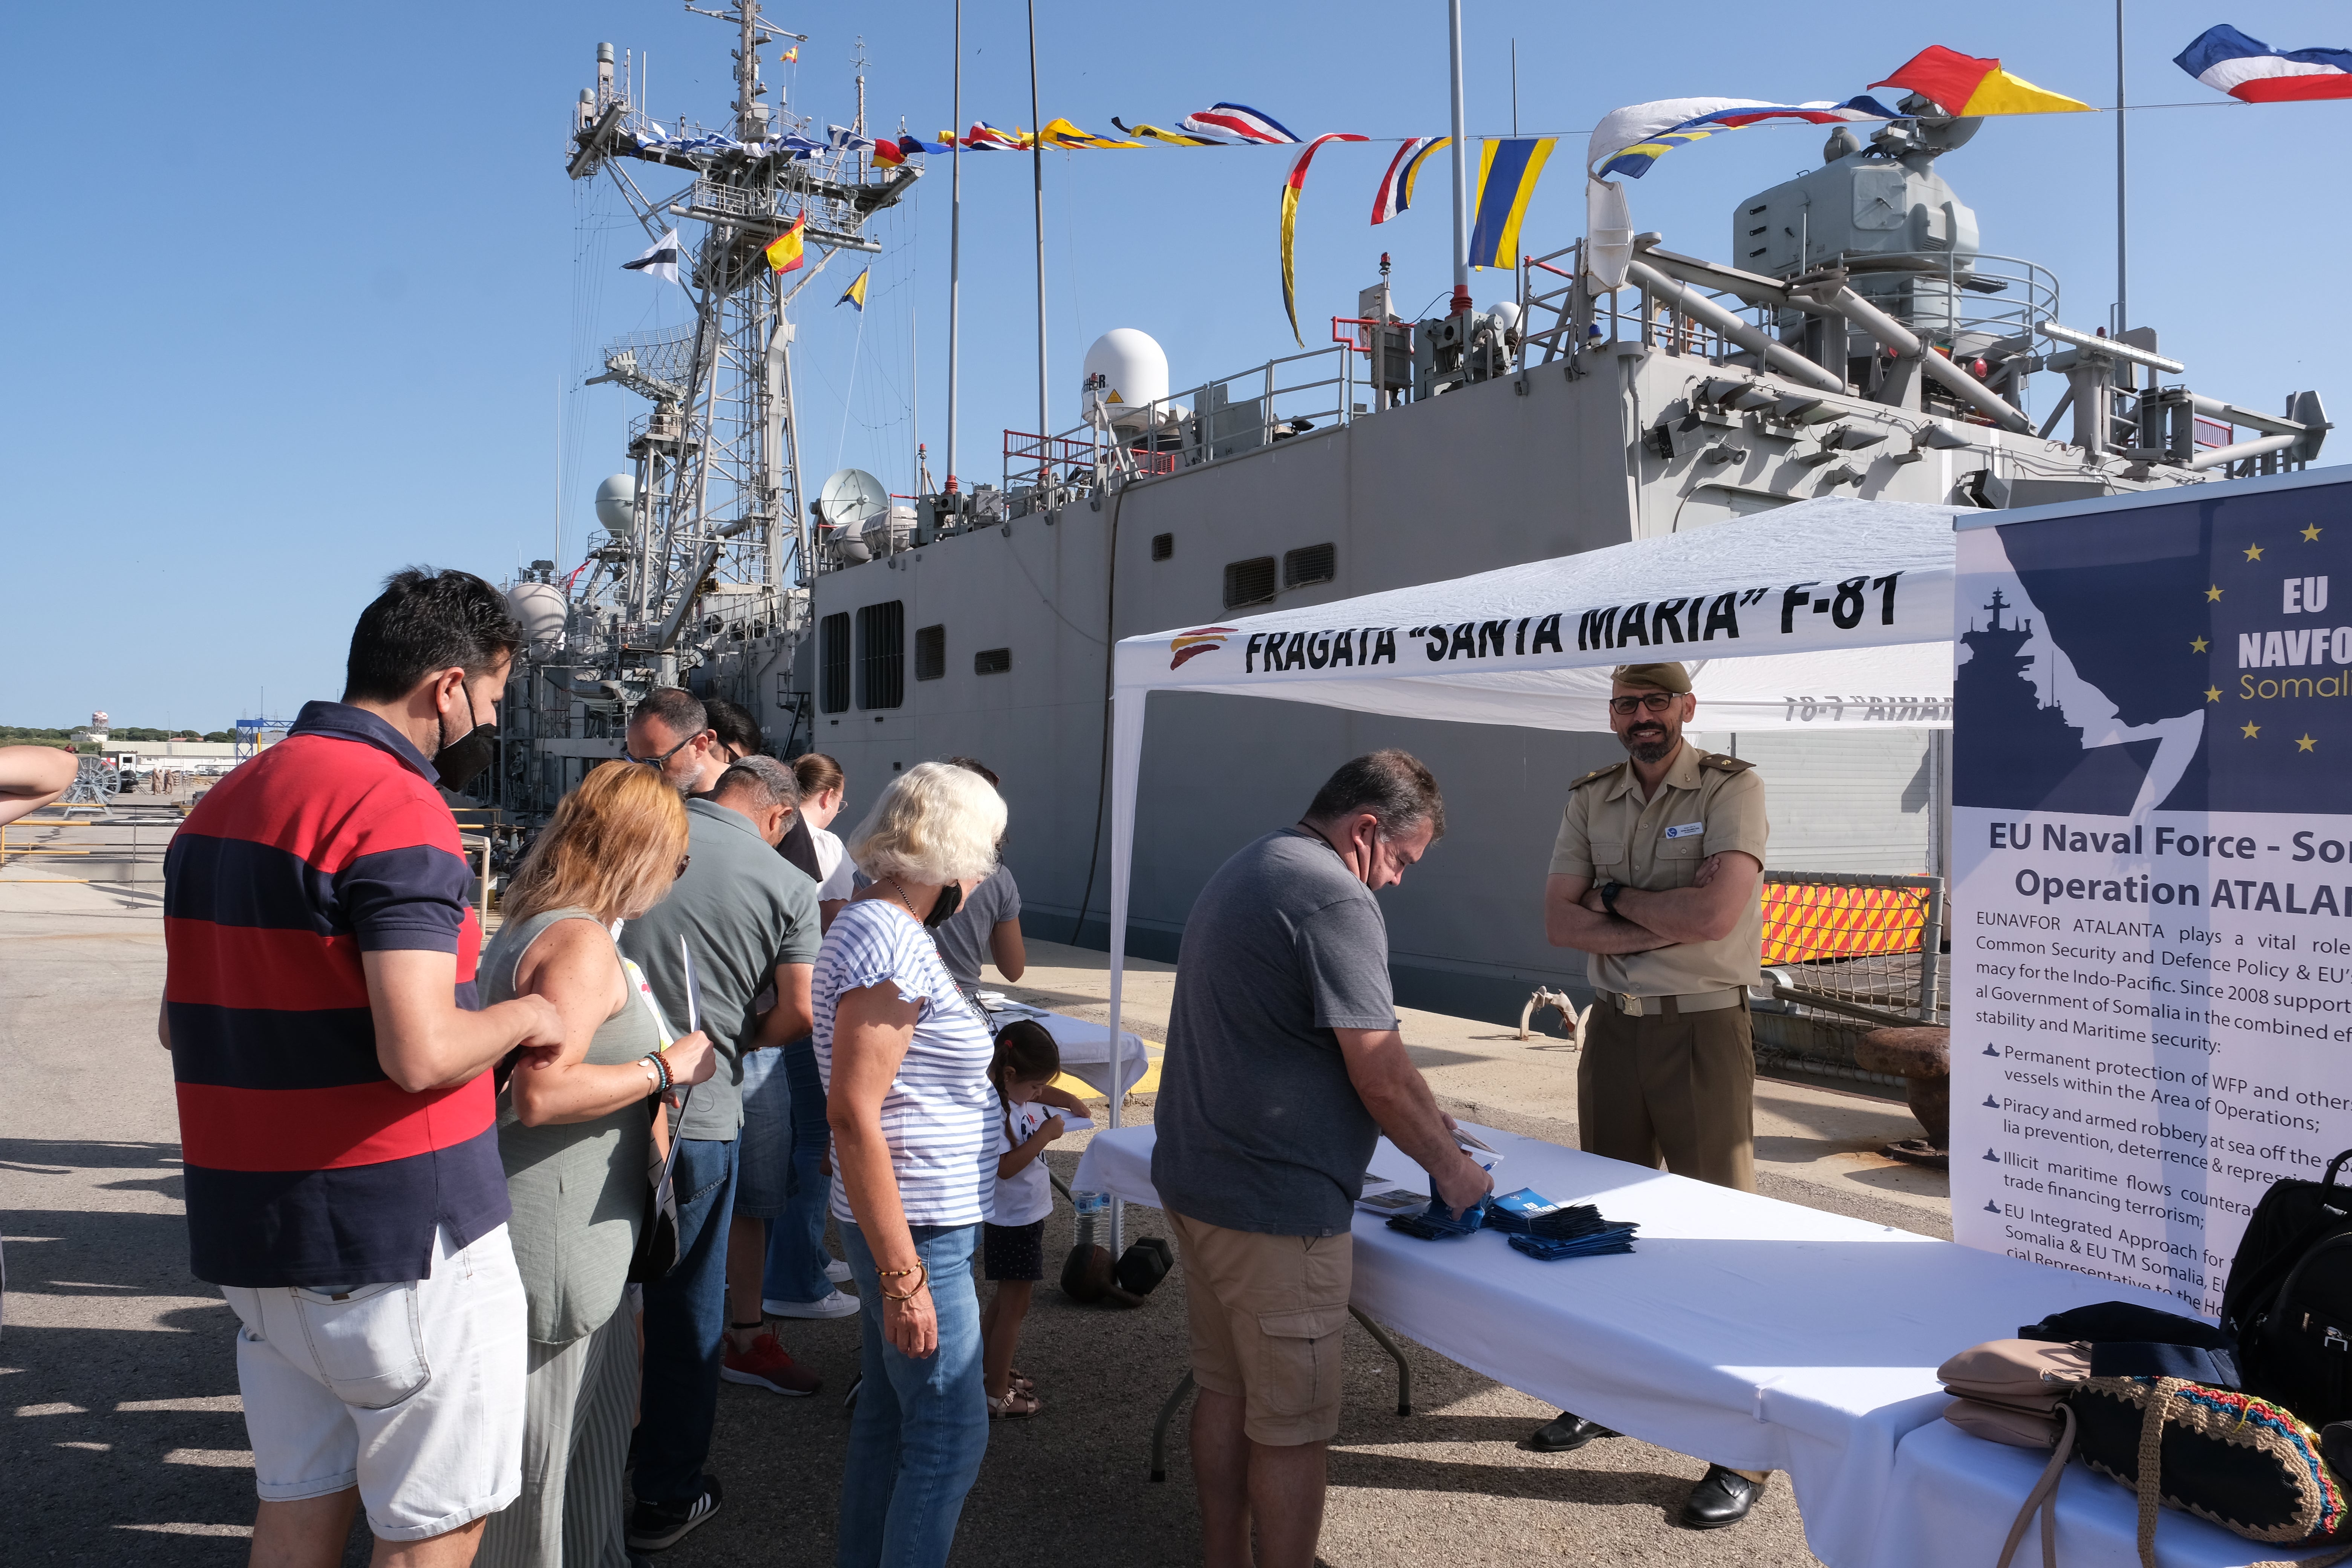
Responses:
[20,735]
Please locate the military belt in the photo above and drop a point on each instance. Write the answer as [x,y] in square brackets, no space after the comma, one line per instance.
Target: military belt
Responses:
[1673,1007]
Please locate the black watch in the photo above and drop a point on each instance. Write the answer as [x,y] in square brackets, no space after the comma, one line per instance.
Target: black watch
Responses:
[1608,892]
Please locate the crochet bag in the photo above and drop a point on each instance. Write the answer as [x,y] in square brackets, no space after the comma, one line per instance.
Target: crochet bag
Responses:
[2240,1462]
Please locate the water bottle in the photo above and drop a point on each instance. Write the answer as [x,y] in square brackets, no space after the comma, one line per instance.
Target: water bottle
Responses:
[1088,1205]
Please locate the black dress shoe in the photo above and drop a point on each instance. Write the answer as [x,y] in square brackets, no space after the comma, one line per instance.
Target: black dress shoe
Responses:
[1567,1433]
[1722,1497]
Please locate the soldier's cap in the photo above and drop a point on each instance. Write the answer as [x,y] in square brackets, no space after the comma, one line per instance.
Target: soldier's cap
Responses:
[1652,677]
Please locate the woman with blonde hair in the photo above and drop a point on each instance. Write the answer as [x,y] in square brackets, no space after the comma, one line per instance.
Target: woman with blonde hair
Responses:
[901,1049]
[575,1136]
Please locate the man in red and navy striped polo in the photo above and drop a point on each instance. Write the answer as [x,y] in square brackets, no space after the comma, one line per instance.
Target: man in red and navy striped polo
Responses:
[336,1114]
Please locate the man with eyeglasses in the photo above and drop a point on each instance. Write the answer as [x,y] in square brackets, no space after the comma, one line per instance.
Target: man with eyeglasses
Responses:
[1657,874]
[671,730]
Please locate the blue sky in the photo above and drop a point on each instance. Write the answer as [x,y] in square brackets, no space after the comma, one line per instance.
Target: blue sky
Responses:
[301,290]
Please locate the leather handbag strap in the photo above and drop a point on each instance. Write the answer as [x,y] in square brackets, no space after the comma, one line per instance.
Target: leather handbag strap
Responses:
[2045,1498]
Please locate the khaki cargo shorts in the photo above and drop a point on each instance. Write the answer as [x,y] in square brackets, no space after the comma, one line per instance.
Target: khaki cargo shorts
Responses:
[1266,1312]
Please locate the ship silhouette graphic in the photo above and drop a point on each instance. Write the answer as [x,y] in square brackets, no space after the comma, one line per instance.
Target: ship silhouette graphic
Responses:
[2022,755]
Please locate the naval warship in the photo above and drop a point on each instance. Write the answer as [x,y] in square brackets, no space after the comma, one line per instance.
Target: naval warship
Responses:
[1859,340]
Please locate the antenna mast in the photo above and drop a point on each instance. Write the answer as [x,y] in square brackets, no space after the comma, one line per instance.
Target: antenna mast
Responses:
[719,550]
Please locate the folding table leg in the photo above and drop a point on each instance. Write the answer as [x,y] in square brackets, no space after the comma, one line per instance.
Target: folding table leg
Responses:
[1160,1427]
[1404,1369]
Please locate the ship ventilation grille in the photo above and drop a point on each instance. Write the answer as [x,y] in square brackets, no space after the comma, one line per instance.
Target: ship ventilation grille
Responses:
[991,661]
[1249,581]
[1315,563]
[931,652]
[1163,545]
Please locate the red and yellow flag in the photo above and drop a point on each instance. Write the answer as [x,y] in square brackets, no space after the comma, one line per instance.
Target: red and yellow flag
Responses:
[1963,85]
[785,250]
[1290,189]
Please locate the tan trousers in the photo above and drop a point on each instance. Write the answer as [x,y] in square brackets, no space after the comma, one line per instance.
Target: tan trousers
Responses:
[1674,1089]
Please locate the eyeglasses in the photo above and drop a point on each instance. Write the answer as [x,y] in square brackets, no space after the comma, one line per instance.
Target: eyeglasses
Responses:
[628,755]
[683,862]
[1656,701]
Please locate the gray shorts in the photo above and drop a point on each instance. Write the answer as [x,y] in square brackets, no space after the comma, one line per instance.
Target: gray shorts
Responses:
[763,1149]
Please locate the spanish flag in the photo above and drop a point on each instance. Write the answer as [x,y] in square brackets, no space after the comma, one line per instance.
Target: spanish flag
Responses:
[854,294]
[790,56]
[785,250]
[1962,85]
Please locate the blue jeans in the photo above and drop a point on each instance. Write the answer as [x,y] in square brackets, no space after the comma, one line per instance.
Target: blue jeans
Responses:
[796,1254]
[921,1427]
[684,1314]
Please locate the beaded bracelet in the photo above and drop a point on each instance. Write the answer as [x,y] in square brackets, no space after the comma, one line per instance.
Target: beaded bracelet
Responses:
[889,1295]
[660,1067]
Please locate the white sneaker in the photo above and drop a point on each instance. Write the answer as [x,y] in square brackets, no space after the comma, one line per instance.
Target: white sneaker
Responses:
[837,1271]
[833,1304]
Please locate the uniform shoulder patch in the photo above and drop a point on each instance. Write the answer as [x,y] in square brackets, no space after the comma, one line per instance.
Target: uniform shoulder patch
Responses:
[1596,774]
[1723,764]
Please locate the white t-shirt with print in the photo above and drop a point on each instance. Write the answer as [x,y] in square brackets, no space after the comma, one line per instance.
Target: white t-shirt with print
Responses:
[1027,1194]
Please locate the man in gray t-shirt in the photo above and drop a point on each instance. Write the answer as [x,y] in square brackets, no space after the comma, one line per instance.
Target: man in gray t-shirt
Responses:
[985,928]
[1284,1066]
[751,919]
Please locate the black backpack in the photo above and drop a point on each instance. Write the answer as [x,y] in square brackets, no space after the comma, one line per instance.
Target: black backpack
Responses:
[2288,1302]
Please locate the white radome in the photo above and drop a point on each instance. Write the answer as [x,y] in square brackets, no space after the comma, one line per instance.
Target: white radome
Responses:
[540,607]
[616,502]
[1134,369]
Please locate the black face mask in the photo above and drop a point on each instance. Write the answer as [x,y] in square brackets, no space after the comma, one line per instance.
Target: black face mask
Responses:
[460,762]
[951,900]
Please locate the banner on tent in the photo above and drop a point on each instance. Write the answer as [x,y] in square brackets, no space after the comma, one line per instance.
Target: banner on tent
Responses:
[1818,613]
[2152,918]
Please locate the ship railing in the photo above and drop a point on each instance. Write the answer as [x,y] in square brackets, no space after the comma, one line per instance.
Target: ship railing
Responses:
[1978,308]
[1232,417]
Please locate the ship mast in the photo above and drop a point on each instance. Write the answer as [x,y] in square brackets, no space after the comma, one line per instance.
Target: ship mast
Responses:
[720,523]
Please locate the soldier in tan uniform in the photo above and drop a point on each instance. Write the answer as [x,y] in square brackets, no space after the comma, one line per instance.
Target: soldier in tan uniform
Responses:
[1657,874]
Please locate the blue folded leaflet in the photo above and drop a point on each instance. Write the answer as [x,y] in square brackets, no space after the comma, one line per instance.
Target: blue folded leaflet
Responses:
[1608,1238]
[1437,1222]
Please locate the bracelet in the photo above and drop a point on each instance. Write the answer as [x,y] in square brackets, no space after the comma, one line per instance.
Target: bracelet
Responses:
[889,1295]
[661,1070]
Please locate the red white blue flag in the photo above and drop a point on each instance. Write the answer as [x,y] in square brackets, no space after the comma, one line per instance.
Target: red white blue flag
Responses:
[1395,194]
[1236,125]
[2252,72]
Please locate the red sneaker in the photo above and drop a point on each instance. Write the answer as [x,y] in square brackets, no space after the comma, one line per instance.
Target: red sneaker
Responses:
[765,1365]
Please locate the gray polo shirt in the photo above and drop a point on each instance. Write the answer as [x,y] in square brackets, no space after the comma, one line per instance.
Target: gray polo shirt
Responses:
[1260,1128]
[744,909]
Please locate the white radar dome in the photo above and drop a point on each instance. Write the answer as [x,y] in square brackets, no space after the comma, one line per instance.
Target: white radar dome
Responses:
[541,608]
[616,502]
[1134,370]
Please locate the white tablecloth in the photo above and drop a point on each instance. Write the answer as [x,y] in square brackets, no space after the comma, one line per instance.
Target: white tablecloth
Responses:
[1959,1494]
[1086,1052]
[1741,1329]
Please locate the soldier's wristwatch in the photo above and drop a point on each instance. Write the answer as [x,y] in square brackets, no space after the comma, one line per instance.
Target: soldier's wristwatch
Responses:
[1608,892]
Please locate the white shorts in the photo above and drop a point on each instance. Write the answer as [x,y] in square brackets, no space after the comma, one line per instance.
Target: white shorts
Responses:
[412,1391]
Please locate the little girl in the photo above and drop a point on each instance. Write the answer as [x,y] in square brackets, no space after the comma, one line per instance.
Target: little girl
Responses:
[1012,1248]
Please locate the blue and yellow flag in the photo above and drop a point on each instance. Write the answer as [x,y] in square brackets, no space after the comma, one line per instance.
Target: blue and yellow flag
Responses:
[1508,172]
[856,293]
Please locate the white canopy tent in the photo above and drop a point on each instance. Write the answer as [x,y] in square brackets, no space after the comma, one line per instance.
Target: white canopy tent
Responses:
[1826,613]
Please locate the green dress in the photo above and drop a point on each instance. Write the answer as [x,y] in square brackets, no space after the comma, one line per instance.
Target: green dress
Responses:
[578,1189]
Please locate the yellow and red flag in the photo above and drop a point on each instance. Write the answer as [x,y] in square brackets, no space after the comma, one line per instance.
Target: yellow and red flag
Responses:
[1290,189]
[1963,85]
[784,251]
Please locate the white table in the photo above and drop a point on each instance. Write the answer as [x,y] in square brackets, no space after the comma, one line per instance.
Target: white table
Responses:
[1741,1329]
[1085,1049]
[1961,1494]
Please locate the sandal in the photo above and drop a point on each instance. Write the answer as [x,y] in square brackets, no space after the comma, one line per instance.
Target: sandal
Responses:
[1017,1405]
[1021,1380]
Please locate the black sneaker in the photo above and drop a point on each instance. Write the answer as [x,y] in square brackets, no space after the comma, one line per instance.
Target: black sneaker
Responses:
[656,1525]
